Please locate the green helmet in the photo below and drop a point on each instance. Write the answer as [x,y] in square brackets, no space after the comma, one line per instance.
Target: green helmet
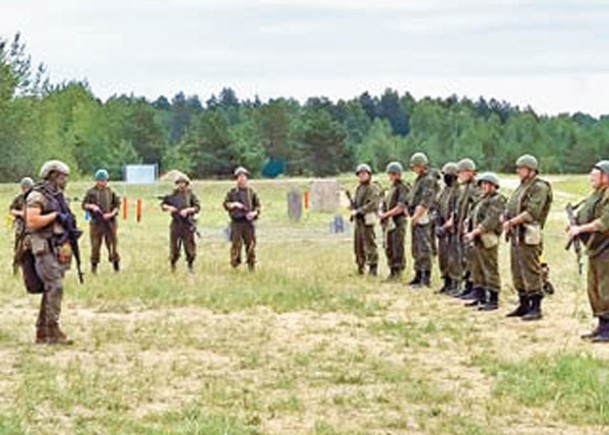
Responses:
[603,166]
[53,166]
[489,177]
[182,178]
[27,183]
[450,168]
[102,175]
[363,168]
[419,159]
[394,168]
[466,165]
[241,170]
[528,161]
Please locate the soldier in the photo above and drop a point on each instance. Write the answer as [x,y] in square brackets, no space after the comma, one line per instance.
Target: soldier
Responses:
[364,212]
[421,199]
[527,212]
[484,241]
[593,230]
[393,220]
[468,195]
[16,210]
[243,207]
[449,252]
[103,205]
[183,205]
[47,225]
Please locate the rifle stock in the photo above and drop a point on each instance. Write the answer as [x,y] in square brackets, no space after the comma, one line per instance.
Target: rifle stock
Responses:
[574,242]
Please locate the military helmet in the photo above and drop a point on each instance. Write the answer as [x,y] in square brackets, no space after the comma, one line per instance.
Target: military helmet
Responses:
[394,168]
[419,159]
[241,170]
[53,166]
[363,168]
[489,177]
[450,168]
[102,175]
[182,178]
[603,166]
[27,183]
[466,165]
[527,161]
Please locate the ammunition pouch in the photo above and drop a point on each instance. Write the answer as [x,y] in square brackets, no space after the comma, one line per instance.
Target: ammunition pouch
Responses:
[31,279]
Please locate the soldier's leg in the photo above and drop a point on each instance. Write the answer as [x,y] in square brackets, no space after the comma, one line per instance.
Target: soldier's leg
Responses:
[370,249]
[96,237]
[51,273]
[492,279]
[533,280]
[249,238]
[422,253]
[444,262]
[41,324]
[389,249]
[174,245]
[236,241]
[398,248]
[476,269]
[358,246]
[190,247]
[112,245]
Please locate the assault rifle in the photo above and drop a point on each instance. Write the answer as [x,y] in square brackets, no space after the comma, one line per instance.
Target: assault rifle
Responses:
[576,241]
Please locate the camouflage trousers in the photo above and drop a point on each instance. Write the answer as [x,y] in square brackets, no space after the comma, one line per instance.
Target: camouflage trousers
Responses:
[51,273]
[365,245]
[449,257]
[242,233]
[394,248]
[182,236]
[422,247]
[598,284]
[484,267]
[100,233]
[525,264]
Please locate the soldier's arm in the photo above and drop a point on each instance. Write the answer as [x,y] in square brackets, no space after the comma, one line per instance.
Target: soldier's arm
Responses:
[166,206]
[427,200]
[36,220]
[493,217]
[599,225]
[116,203]
[256,206]
[534,207]
[371,203]
[195,204]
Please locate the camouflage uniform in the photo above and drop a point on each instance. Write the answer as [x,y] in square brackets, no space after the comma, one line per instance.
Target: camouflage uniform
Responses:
[422,195]
[449,252]
[469,194]
[18,204]
[183,229]
[395,231]
[242,230]
[366,204]
[101,230]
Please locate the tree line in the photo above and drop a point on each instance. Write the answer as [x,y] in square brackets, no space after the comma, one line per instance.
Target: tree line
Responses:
[41,120]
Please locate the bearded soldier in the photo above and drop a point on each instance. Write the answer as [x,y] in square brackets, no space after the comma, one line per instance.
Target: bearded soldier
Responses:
[364,212]
[17,212]
[592,228]
[527,212]
[183,205]
[484,240]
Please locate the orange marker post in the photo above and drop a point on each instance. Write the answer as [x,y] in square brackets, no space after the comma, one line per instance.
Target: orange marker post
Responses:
[306,200]
[138,210]
[125,208]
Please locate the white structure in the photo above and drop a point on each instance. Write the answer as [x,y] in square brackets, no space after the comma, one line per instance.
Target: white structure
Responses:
[141,174]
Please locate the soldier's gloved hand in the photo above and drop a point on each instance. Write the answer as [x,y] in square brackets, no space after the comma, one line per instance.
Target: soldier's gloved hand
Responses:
[64,219]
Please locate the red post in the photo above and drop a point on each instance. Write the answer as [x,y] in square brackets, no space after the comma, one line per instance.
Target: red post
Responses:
[138,210]
[306,200]
[125,208]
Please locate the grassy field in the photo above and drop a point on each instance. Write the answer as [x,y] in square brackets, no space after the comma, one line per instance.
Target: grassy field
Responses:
[301,346]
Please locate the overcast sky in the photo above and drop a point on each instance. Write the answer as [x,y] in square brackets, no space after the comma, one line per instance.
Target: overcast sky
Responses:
[550,54]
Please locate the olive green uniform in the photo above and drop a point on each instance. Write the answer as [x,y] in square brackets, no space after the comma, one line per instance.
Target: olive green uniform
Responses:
[469,193]
[531,200]
[449,249]
[366,204]
[395,231]
[183,229]
[100,229]
[18,204]
[596,209]
[242,230]
[423,194]
[484,265]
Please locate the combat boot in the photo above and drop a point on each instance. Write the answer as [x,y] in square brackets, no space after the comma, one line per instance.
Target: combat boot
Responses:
[251,267]
[42,334]
[602,334]
[493,302]
[601,324]
[374,270]
[116,266]
[56,336]
[468,291]
[94,269]
[191,268]
[445,288]
[394,276]
[173,266]
[360,269]
[478,297]
[524,305]
[416,281]
[453,289]
[535,310]
[426,278]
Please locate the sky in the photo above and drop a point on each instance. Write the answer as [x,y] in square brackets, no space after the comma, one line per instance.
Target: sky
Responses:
[550,54]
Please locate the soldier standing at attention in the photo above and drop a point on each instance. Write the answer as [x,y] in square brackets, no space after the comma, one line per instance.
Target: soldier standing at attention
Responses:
[103,205]
[393,220]
[16,210]
[527,212]
[484,241]
[365,213]
[422,197]
[243,207]
[449,252]
[593,230]
[46,226]
[183,205]
[468,195]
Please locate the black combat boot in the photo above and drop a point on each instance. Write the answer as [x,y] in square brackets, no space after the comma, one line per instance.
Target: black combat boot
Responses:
[602,335]
[116,266]
[173,266]
[94,269]
[492,303]
[191,268]
[535,310]
[445,288]
[453,289]
[478,297]
[56,336]
[524,305]
[360,269]
[426,278]
[590,335]
[416,281]
[374,270]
